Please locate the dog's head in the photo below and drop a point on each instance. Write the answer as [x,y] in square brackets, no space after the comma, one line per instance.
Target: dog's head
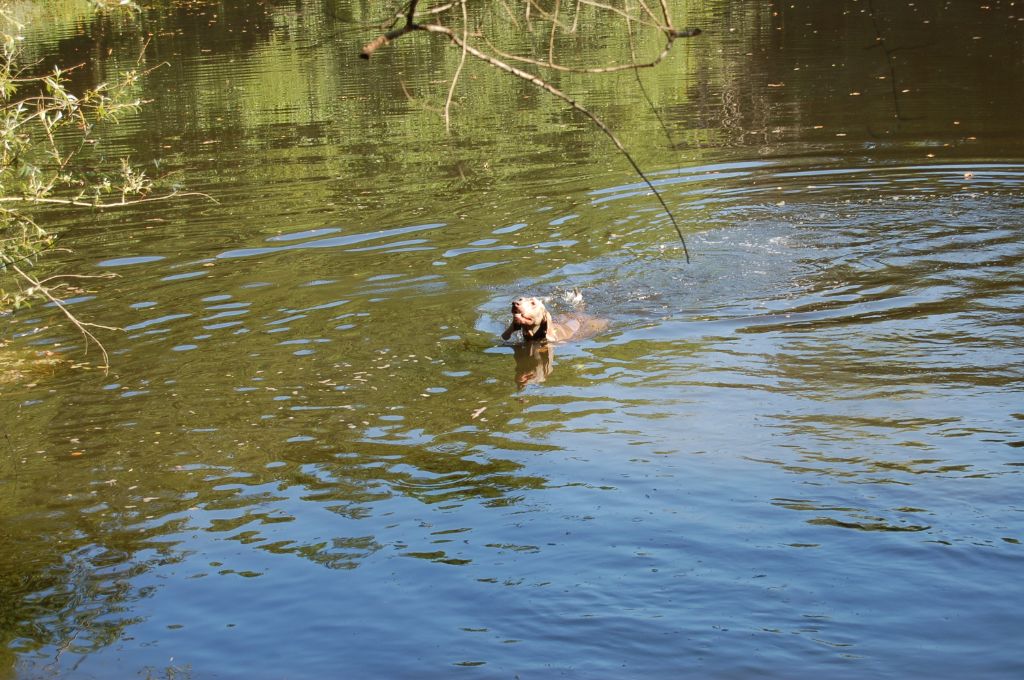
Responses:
[531,317]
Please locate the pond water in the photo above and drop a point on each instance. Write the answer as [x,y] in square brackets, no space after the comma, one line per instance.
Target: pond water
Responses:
[795,457]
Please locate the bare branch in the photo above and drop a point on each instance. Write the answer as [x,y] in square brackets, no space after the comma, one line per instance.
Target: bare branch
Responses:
[385,39]
[500,60]
[414,100]
[82,326]
[640,82]
[458,70]
[574,69]
[554,29]
[551,89]
[511,14]
[106,275]
[86,204]
[625,15]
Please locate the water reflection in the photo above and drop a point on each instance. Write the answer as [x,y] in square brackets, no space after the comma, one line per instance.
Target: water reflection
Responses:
[534,362]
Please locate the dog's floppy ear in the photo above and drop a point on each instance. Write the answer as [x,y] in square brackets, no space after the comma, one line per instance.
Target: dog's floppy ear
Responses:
[547,325]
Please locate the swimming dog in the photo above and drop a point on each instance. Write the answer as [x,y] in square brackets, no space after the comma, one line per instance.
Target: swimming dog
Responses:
[532,318]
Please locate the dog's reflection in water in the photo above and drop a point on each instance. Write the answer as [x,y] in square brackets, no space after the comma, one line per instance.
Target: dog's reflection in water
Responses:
[534,362]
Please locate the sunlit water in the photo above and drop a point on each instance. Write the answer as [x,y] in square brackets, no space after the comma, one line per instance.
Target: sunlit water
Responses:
[796,456]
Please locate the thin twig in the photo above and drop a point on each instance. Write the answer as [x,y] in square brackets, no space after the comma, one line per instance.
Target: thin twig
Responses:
[890,61]
[142,52]
[511,14]
[413,99]
[458,70]
[463,43]
[664,13]
[640,83]
[382,40]
[575,18]
[554,29]
[574,69]
[120,204]
[551,89]
[547,16]
[80,325]
[107,275]
[616,10]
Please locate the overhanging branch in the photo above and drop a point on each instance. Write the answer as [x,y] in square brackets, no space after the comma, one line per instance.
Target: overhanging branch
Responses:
[500,61]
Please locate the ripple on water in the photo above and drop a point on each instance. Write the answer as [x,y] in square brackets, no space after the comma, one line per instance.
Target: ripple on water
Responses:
[815,419]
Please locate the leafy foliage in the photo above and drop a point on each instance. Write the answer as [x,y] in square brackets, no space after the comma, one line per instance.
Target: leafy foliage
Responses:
[44,128]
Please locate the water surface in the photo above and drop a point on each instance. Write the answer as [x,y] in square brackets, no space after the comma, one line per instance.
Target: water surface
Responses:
[795,457]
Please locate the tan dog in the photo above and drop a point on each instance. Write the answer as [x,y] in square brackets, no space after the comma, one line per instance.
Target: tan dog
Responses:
[530,316]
